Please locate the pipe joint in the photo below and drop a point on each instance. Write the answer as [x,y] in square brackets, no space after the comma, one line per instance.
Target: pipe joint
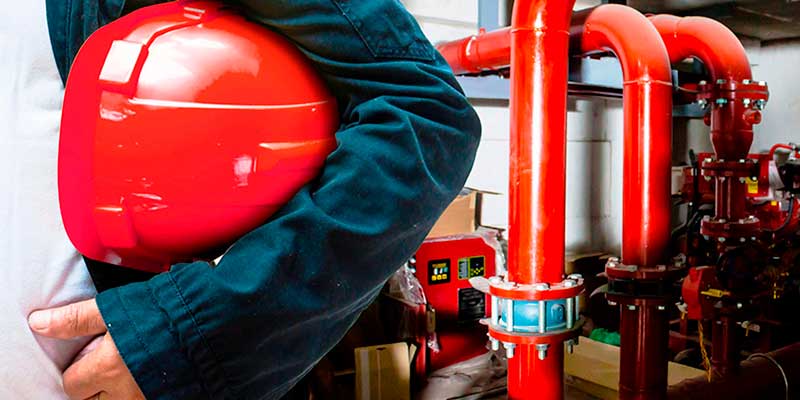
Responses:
[535,314]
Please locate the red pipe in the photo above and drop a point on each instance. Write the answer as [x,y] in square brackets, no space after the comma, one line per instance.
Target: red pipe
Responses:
[477,53]
[647,162]
[725,58]
[647,107]
[648,120]
[758,378]
[537,183]
[539,67]
[708,40]
[791,148]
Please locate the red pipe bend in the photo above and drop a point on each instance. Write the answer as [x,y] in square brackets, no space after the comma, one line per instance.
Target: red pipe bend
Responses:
[708,40]
[632,38]
[647,108]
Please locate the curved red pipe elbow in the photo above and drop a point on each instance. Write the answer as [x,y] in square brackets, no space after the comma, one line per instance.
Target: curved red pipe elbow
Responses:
[632,38]
[708,40]
[647,108]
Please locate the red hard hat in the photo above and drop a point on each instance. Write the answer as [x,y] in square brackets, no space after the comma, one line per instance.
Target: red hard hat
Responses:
[184,127]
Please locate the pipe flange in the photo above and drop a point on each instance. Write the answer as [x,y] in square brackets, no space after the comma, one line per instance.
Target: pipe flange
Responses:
[752,94]
[724,230]
[743,168]
[640,282]
[534,338]
[534,309]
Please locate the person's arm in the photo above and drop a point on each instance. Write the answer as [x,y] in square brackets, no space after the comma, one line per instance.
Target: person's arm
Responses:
[286,293]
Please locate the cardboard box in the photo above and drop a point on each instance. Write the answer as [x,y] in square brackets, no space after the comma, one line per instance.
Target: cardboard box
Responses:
[594,368]
[463,215]
[383,372]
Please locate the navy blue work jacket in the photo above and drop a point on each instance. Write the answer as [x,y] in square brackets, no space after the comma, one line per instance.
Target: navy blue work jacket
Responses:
[286,293]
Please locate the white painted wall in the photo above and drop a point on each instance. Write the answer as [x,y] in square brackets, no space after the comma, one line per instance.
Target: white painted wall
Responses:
[594,145]
[778,65]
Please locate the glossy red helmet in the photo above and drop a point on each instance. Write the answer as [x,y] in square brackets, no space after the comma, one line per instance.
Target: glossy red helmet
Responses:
[184,127]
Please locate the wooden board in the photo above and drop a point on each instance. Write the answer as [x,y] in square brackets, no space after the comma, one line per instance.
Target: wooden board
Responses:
[593,367]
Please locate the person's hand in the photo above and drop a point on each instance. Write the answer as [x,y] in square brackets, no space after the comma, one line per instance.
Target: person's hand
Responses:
[98,372]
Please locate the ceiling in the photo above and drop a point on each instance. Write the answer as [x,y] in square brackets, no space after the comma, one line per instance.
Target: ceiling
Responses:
[760,19]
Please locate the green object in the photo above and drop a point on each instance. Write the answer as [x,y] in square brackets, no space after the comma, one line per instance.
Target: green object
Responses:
[605,336]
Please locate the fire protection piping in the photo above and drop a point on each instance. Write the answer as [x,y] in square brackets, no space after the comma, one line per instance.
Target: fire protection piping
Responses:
[647,108]
[726,60]
[537,183]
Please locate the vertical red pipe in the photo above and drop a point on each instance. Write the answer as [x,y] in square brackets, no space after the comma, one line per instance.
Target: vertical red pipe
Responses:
[539,67]
[647,106]
[644,351]
[537,182]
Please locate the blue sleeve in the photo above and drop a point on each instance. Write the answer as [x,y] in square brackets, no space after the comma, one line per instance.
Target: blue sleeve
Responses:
[286,293]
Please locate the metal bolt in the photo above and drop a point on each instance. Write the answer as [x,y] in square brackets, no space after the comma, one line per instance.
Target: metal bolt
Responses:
[739,305]
[721,102]
[662,308]
[495,280]
[570,319]
[746,102]
[721,240]
[760,104]
[612,303]
[542,350]
[541,286]
[707,178]
[495,344]
[509,315]
[721,81]
[575,277]
[753,238]
[703,103]
[570,344]
[742,180]
[495,311]
[509,349]
[632,307]
[746,81]
[742,240]
[570,283]
[761,83]
[705,237]
[542,317]
[702,82]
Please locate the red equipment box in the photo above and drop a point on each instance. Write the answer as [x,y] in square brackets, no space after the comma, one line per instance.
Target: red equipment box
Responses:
[443,268]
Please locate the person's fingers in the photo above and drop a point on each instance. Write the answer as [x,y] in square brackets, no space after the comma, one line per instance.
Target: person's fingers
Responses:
[101,373]
[94,344]
[84,378]
[100,396]
[73,320]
